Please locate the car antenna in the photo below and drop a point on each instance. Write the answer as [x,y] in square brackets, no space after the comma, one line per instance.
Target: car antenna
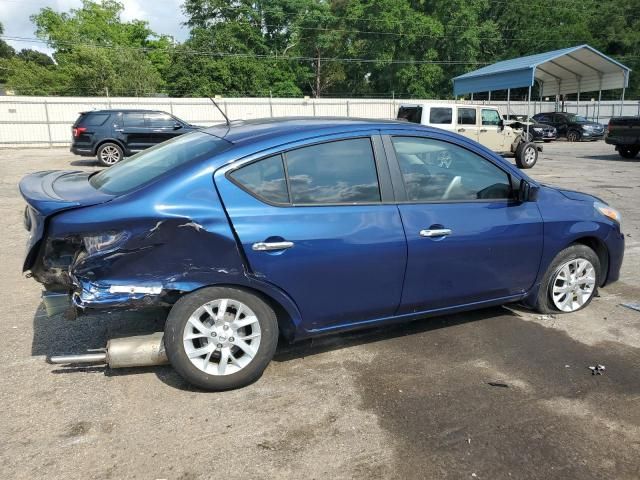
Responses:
[223,114]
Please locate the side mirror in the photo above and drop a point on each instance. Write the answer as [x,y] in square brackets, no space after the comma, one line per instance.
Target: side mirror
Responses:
[177,126]
[501,125]
[527,192]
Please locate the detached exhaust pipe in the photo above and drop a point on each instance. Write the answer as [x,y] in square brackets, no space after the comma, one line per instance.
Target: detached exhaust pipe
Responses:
[140,351]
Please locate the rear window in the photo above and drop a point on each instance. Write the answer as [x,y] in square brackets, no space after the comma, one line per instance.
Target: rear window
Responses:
[265,179]
[149,164]
[410,114]
[440,115]
[93,119]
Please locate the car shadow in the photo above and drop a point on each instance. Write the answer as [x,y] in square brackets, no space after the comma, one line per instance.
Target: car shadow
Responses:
[85,163]
[610,158]
[57,335]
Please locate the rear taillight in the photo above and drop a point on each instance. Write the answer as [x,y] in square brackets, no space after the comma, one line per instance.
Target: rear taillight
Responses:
[77,131]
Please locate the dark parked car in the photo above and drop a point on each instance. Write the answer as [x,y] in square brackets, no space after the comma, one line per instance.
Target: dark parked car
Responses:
[538,132]
[302,227]
[624,133]
[111,135]
[574,127]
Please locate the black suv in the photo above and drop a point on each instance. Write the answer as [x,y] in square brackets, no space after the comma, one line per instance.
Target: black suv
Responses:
[113,134]
[572,126]
[538,132]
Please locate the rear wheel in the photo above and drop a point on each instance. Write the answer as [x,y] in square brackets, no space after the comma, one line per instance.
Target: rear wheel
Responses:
[573,136]
[221,338]
[571,281]
[109,154]
[526,155]
[628,151]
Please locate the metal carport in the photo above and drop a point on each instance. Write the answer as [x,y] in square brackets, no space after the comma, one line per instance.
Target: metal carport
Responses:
[560,72]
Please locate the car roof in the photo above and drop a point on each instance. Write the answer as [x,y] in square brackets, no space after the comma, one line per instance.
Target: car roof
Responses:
[276,129]
[124,110]
[448,105]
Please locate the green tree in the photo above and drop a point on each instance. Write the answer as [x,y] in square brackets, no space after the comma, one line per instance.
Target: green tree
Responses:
[29,55]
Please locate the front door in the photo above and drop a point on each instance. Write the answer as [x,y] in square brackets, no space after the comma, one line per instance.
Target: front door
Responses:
[133,131]
[162,127]
[468,240]
[312,222]
[491,134]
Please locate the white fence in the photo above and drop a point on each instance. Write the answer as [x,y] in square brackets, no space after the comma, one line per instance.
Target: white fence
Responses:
[46,121]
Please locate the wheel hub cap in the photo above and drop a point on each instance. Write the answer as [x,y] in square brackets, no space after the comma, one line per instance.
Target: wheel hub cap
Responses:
[222,337]
[573,285]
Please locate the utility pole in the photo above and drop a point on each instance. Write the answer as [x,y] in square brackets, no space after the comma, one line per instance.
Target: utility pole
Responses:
[318,73]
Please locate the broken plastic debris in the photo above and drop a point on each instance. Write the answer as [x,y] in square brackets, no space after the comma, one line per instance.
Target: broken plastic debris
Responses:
[546,317]
[632,306]
[498,384]
[597,370]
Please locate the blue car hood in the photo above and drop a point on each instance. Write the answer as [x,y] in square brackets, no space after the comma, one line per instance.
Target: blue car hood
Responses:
[54,190]
[574,195]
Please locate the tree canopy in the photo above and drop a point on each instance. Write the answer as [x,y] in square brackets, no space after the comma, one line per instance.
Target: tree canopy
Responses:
[406,48]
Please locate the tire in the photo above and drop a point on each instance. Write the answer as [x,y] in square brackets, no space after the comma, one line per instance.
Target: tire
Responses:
[573,136]
[545,302]
[109,153]
[191,316]
[526,155]
[628,151]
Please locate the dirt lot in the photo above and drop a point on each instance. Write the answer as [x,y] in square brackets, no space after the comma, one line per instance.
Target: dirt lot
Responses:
[414,401]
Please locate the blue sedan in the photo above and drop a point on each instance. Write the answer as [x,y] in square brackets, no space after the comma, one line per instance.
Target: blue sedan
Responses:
[300,227]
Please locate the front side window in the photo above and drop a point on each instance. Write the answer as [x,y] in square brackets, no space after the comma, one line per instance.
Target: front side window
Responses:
[149,164]
[466,116]
[336,172]
[490,117]
[265,179]
[440,115]
[436,171]
[160,120]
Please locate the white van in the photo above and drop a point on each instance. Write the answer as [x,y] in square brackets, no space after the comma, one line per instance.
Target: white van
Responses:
[481,123]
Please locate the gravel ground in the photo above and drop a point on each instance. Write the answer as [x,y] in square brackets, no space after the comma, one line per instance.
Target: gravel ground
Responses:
[498,393]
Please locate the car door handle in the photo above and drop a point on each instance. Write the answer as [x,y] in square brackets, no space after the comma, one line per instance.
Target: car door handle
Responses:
[267,246]
[461,130]
[438,232]
[483,129]
[119,129]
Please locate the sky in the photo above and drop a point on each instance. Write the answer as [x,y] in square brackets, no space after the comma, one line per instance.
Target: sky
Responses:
[164,16]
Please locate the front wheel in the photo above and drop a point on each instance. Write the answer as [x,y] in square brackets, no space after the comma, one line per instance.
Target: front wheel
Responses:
[628,152]
[571,281]
[221,338]
[526,155]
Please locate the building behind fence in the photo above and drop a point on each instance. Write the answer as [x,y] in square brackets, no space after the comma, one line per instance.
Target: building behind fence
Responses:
[46,121]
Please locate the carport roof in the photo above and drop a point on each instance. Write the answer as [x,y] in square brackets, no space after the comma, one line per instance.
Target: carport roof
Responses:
[569,70]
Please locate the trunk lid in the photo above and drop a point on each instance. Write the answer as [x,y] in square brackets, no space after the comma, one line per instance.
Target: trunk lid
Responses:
[50,192]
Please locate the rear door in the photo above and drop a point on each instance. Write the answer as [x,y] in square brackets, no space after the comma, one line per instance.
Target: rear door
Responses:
[133,131]
[468,122]
[162,127]
[318,222]
[468,240]
[490,134]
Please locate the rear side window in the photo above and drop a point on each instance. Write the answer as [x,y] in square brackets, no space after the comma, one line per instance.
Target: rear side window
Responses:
[466,116]
[337,172]
[440,115]
[265,179]
[160,120]
[133,119]
[410,114]
[94,119]
[490,117]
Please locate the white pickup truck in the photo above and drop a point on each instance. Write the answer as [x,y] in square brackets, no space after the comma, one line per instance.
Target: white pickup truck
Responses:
[481,123]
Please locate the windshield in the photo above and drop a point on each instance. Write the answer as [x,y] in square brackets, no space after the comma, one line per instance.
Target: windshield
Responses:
[576,118]
[149,164]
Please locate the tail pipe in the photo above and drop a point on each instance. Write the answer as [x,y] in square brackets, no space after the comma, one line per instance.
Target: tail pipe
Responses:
[139,351]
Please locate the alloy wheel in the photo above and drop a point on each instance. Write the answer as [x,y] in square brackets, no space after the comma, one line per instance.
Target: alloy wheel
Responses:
[530,155]
[222,337]
[573,285]
[110,155]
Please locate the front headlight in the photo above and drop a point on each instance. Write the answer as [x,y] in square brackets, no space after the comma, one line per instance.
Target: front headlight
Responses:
[537,129]
[104,242]
[608,211]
